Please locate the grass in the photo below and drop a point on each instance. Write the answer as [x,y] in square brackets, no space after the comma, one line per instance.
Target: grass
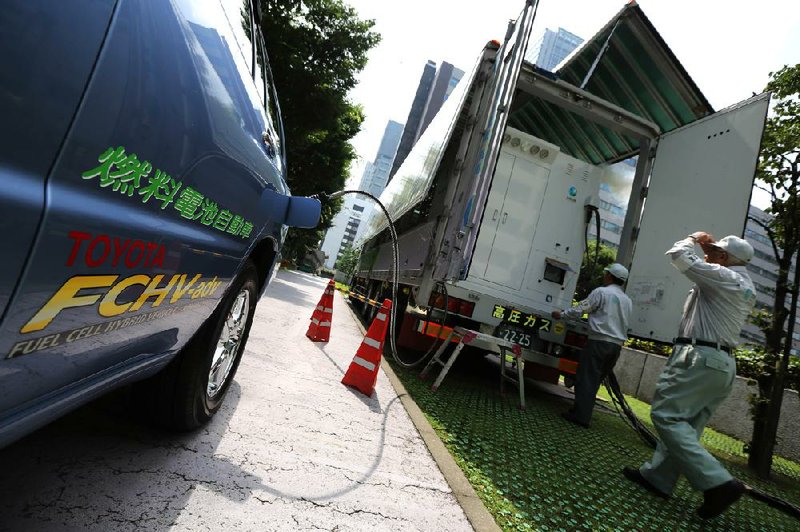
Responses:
[535,471]
[342,287]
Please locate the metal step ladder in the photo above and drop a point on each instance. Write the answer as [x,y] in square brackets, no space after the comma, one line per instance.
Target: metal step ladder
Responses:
[484,341]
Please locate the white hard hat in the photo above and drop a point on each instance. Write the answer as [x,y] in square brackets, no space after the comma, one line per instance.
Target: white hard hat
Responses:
[735,246]
[617,270]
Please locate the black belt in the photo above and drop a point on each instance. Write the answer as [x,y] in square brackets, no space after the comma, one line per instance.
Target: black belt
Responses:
[703,343]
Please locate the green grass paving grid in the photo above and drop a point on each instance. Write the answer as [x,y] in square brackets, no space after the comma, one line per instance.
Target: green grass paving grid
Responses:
[535,471]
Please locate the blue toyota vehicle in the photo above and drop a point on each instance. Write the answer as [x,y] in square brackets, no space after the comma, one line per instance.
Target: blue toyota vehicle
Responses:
[143,203]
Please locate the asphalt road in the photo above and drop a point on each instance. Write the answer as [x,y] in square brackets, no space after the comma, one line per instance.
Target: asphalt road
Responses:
[291,449]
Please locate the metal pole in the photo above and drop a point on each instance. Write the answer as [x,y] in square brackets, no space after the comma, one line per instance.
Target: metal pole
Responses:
[633,216]
[600,55]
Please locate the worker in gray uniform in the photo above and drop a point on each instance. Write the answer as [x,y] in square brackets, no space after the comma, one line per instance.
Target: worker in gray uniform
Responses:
[699,374]
[609,310]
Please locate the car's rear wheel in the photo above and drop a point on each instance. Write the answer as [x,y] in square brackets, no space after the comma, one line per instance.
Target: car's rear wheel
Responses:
[190,390]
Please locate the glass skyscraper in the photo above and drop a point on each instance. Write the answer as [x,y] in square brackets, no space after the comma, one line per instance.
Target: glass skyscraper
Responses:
[552,47]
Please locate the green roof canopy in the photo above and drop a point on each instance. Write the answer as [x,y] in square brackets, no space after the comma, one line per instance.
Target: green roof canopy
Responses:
[628,64]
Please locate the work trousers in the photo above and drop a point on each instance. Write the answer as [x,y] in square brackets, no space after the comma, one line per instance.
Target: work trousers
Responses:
[693,384]
[596,360]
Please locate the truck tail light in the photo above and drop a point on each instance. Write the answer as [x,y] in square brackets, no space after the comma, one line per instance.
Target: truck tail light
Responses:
[575,339]
[466,308]
[454,305]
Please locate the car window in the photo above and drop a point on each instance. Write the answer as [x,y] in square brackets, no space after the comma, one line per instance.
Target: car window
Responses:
[238,15]
[269,99]
[260,72]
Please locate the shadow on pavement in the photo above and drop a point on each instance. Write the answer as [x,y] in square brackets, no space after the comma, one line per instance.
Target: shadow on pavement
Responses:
[99,467]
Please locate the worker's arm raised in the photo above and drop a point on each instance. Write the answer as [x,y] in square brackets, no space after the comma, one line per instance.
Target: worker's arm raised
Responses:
[686,260]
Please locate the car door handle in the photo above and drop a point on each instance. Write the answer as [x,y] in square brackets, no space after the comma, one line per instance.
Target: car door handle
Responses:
[494,216]
[505,217]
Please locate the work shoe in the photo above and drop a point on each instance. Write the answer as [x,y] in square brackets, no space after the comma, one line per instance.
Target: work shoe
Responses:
[717,500]
[572,419]
[634,475]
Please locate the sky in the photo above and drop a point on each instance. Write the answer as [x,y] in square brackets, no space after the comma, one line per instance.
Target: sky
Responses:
[728,48]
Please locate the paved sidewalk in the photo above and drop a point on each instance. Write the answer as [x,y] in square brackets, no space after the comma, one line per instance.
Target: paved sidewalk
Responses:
[291,449]
[332,458]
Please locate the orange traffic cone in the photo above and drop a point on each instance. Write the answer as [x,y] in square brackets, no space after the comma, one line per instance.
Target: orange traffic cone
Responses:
[363,370]
[319,330]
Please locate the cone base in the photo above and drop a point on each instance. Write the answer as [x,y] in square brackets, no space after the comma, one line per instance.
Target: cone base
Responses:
[360,386]
[314,338]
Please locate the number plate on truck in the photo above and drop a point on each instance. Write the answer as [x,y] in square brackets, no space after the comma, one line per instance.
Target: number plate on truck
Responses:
[515,335]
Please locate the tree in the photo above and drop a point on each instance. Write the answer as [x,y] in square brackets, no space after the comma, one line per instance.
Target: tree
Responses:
[316,48]
[779,174]
[348,260]
[591,275]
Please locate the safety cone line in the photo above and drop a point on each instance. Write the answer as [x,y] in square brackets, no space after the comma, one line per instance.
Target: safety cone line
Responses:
[364,363]
[381,317]
[320,328]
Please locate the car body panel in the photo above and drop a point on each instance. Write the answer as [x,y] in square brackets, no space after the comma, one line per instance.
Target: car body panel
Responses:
[36,66]
[151,207]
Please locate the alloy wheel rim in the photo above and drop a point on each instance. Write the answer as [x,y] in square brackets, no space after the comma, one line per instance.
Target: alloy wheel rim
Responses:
[228,344]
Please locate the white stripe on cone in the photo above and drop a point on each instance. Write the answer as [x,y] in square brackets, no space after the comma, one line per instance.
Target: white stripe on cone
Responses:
[364,363]
[381,317]
[325,324]
[372,343]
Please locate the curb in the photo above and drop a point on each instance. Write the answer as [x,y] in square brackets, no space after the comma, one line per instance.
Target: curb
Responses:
[477,514]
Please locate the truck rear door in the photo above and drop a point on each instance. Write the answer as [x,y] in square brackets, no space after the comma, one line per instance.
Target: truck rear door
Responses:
[701,180]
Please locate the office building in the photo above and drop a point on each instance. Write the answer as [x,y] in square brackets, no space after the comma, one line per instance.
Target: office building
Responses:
[446,79]
[435,85]
[552,47]
[376,180]
[347,223]
[343,231]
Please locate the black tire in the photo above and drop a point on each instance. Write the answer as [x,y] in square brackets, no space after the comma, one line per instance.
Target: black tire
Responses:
[403,296]
[371,311]
[180,396]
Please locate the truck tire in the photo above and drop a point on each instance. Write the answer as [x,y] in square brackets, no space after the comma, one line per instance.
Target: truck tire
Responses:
[190,390]
[370,311]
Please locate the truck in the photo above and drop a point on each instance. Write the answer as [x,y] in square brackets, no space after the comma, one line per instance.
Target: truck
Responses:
[492,205]
[143,204]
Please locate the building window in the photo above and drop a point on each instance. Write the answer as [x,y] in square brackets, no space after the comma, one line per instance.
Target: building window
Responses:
[765,256]
[758,237]
[611,226]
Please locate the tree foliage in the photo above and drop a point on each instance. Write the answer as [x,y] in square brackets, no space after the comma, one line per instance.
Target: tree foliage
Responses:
[348,259]
[316,49]
[753,362]
[779,174]
[591,274]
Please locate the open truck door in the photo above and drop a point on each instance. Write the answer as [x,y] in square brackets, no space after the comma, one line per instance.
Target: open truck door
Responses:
[701,180]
